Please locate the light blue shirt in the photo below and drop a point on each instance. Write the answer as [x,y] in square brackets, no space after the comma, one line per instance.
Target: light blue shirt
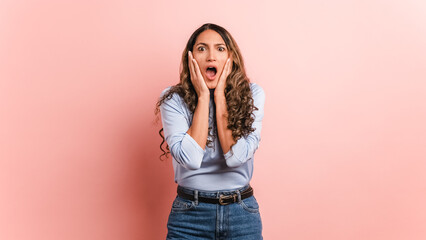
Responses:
[209,169]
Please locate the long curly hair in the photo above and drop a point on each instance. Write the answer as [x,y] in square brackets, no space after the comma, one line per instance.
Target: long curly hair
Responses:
[238,95]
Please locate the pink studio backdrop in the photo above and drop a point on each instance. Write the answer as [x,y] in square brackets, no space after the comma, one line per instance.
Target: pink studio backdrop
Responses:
[343,150]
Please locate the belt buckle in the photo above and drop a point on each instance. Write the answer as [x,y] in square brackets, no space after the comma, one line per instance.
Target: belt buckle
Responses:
[223,197]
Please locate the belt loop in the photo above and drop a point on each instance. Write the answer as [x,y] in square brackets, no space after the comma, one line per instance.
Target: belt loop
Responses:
[239,196]
[196,197]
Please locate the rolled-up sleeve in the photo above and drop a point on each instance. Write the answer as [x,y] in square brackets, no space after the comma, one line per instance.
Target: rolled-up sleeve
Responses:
[245,147]
[183,148]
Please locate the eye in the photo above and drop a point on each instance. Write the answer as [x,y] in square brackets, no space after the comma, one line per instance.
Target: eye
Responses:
[221,49]
[201,48]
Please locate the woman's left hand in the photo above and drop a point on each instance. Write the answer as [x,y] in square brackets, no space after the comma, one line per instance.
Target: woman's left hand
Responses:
[225,134]
[221,84]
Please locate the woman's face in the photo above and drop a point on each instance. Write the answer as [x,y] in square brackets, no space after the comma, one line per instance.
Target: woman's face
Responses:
[211,53]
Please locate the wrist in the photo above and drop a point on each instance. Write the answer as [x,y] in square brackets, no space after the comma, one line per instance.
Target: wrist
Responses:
[219,95]
[204,97]
[221,110]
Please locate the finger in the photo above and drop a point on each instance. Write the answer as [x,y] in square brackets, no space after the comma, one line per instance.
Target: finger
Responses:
[197,70]
[229,67]
[223,76]
[191,65]
[200,78]
[231,63]
[225,71]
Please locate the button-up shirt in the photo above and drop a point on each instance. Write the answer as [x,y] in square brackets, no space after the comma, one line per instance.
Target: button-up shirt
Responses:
[209,169]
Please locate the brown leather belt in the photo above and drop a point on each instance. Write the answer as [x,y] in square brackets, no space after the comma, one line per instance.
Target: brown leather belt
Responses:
[222,200]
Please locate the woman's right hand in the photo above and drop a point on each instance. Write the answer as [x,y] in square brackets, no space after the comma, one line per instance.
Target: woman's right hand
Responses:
[197,78]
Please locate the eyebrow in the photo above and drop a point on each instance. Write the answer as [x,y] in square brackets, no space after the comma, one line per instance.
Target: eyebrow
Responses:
[205,44]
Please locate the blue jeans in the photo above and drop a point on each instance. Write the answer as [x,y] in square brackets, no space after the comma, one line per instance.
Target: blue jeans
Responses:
[198,220]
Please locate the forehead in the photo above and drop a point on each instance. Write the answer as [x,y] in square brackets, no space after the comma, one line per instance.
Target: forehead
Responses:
[209,36]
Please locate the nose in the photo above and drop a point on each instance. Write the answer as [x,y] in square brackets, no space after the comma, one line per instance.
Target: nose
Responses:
[211,56]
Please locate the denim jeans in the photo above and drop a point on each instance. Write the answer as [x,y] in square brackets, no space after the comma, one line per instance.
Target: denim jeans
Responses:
[198,220]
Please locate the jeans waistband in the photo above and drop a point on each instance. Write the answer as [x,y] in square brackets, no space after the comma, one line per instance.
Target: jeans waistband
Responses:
[212,194]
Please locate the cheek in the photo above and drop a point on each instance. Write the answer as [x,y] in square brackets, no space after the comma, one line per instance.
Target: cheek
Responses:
[222,65]
[198,60]
[223,60]
[197,57]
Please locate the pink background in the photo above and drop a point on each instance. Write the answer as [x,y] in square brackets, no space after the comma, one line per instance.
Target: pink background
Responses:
[343,150]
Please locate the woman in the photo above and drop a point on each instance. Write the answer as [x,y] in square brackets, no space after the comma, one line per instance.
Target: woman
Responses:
[212,121]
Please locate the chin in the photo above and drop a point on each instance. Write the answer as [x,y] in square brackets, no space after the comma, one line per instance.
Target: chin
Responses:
[212,85]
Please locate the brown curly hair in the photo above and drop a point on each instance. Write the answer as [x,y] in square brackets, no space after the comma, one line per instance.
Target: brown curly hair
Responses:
[238,95]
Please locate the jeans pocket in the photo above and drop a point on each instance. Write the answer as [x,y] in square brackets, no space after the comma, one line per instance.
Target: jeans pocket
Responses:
[250,205]
[182,205]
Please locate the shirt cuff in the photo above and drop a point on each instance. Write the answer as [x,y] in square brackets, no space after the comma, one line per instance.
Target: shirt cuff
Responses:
[232,157]
[187,139]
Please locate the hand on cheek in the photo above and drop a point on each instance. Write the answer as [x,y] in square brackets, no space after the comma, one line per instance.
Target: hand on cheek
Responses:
[220,88]
[196,77]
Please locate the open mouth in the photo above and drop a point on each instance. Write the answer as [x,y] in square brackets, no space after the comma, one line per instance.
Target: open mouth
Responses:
[211,73]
